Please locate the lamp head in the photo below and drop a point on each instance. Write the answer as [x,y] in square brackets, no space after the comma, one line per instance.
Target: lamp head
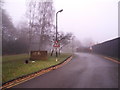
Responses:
[61,10]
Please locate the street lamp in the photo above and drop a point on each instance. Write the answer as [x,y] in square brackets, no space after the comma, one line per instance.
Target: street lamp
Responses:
[56,22]
[57,30]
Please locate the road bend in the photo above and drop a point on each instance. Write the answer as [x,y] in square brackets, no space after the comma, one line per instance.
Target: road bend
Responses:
[83,71]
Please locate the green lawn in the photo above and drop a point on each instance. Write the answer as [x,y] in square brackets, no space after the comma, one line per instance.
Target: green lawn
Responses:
[13,66]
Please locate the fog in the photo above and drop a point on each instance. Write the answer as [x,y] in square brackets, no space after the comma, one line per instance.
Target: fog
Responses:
[86,19]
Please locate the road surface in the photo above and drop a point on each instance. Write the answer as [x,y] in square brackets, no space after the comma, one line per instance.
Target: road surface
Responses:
[83,71]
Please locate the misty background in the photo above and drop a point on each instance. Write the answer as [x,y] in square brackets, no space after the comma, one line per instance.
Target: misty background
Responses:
[90,21]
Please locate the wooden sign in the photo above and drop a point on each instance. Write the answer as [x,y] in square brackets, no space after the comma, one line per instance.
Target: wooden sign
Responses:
[38,55]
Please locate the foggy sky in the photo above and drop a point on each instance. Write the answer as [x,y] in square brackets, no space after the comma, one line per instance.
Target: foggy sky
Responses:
[94,19]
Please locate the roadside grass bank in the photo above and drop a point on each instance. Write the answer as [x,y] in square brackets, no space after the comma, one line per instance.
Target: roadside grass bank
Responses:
[13,66]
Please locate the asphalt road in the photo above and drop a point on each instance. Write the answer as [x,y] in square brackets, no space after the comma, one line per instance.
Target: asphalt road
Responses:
[83,71]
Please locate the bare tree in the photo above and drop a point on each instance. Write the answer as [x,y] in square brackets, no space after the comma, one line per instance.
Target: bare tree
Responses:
[88,42]
[40,15]
[63,40]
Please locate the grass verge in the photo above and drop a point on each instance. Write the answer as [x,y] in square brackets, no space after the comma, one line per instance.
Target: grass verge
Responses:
[13,66]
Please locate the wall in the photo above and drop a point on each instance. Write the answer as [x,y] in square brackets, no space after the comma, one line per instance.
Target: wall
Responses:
[108,48]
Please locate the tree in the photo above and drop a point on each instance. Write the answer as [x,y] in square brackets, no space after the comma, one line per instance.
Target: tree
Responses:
[14,40]
[40,16]
[8,33]
[88,42]
[8,29]
[63,40]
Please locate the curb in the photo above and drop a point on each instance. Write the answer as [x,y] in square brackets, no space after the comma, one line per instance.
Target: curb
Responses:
[25,78]
[108,58]
[111,59]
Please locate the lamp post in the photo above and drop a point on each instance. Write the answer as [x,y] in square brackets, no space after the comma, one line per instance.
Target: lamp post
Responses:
[57,31]
[56,22]
[72,46]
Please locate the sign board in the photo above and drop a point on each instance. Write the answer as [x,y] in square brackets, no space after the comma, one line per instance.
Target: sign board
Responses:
[56,44]
[38,55]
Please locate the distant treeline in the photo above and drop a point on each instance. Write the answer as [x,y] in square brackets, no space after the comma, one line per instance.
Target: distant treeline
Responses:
[83,49]
[108,48]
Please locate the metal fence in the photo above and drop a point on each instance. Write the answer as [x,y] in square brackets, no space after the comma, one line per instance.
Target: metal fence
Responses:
[108,48]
